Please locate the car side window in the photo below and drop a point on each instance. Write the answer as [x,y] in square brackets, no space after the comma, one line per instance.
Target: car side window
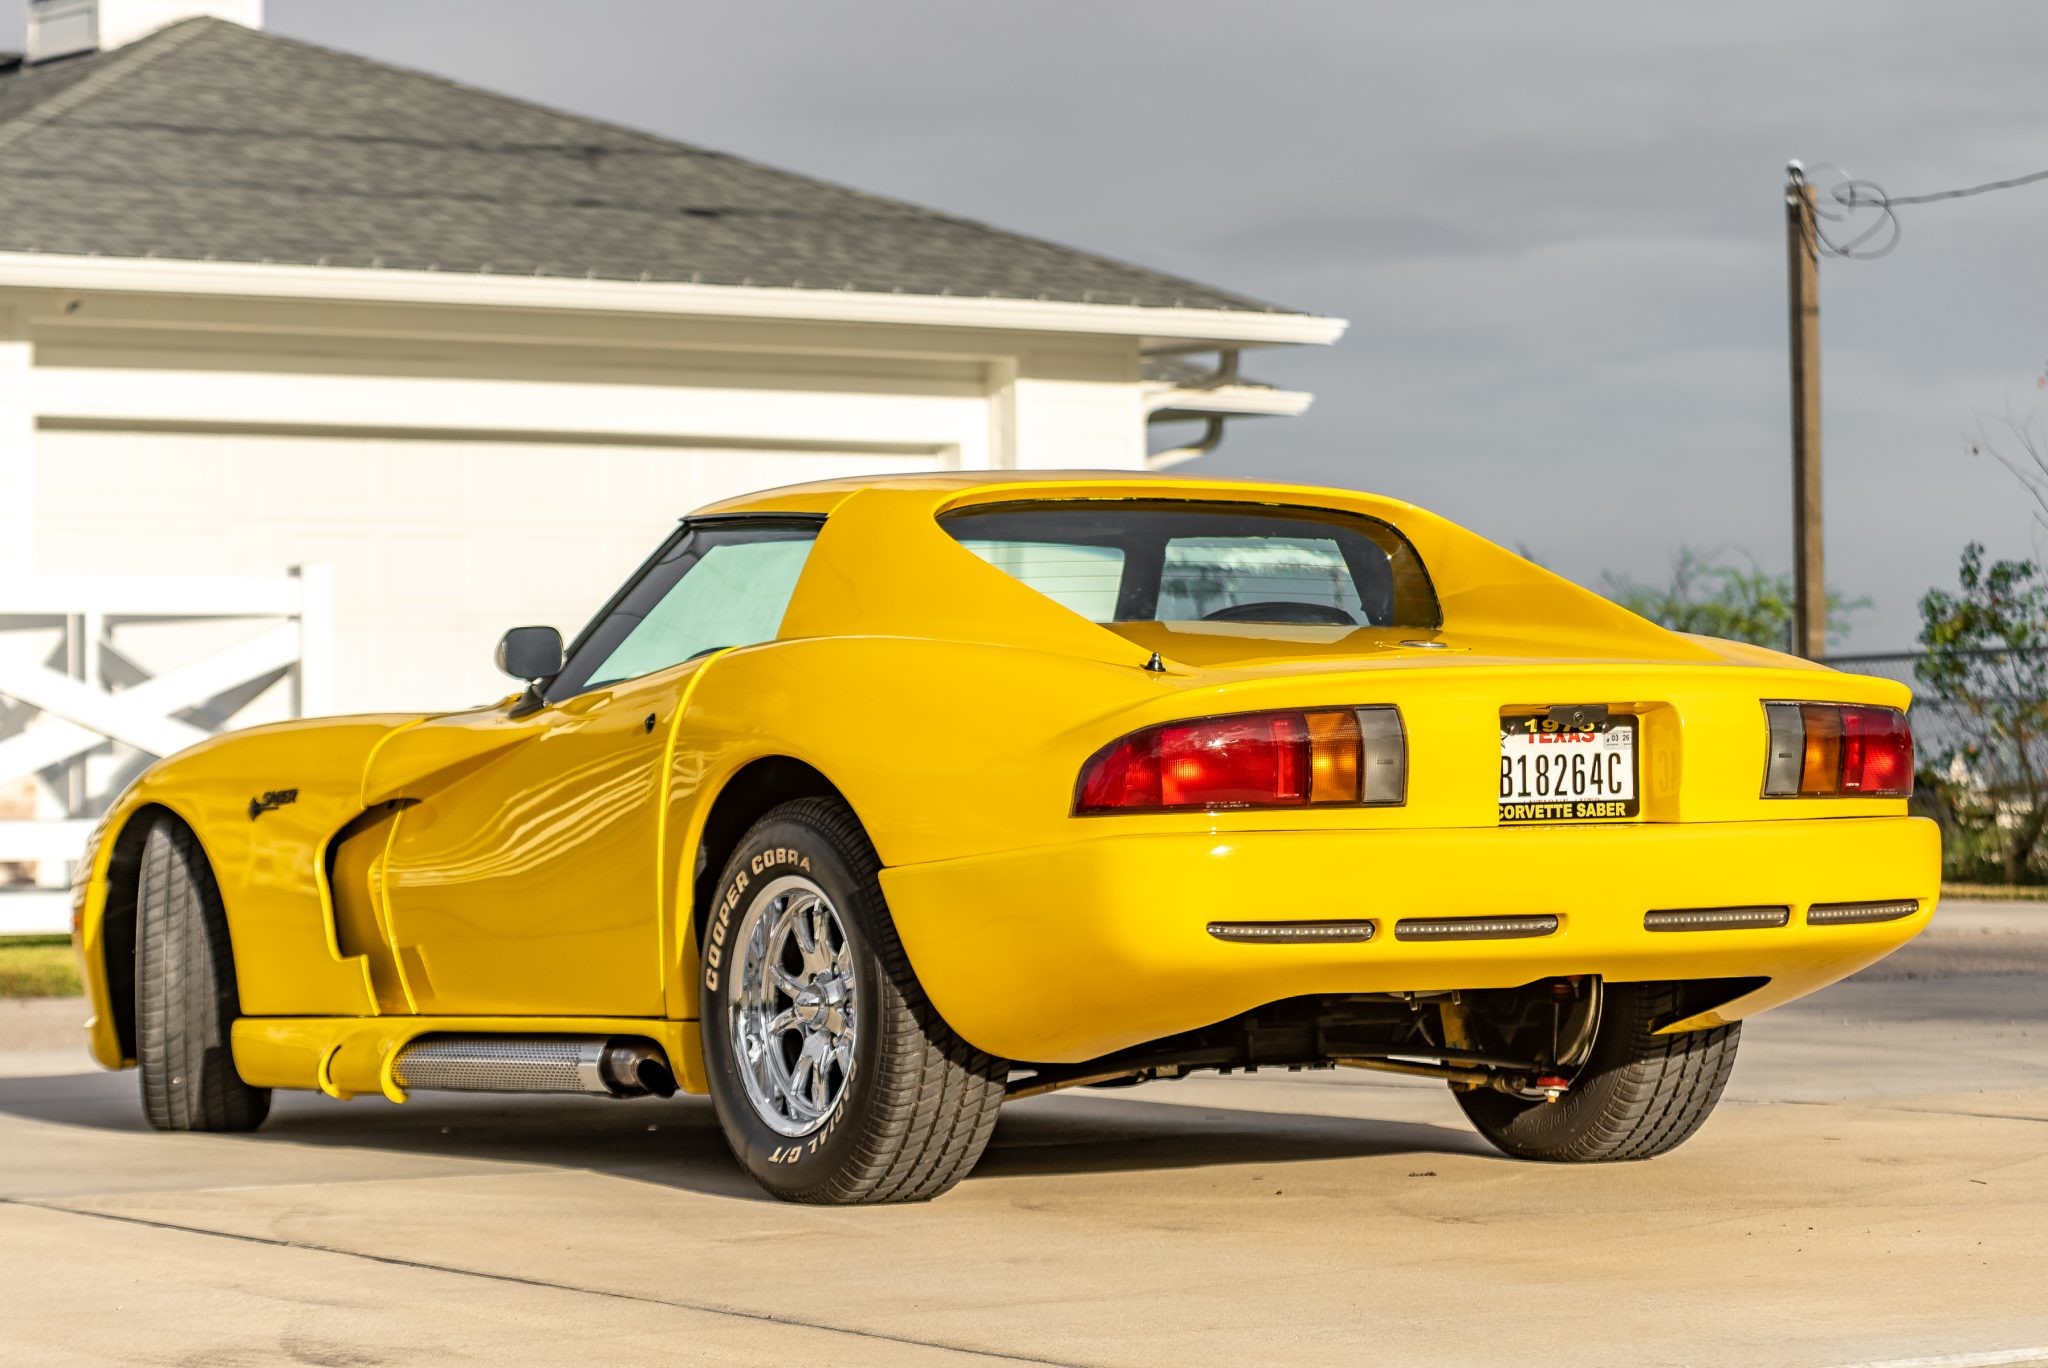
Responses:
[715,587]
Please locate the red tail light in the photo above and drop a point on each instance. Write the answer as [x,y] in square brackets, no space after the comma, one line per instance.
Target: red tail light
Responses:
[1266,759]
[1828,750]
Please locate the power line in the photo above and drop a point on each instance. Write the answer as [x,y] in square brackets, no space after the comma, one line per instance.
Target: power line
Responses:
[1986,188]
[1852,196]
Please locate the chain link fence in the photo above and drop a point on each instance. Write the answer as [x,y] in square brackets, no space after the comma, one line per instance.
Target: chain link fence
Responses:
[1935,721]
[1978,810]
[1936,718]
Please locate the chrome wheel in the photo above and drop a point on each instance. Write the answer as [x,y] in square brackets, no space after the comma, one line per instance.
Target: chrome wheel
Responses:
[792,1017]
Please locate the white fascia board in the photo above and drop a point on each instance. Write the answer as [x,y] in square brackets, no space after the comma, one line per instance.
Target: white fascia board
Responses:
[1248,400]
[156,275]
[196,597]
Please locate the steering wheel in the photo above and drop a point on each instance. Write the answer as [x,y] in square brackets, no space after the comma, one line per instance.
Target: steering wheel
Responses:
[1282,610]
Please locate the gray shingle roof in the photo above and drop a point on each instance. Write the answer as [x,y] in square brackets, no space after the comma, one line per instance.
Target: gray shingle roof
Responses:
[207,140]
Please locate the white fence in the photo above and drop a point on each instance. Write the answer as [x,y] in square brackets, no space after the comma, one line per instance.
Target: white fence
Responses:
[79,715]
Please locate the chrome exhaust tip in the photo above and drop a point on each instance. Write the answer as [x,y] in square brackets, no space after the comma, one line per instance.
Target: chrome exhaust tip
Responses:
[636,1068]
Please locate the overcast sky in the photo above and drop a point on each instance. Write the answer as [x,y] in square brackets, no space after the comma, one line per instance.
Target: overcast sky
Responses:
[1556,229]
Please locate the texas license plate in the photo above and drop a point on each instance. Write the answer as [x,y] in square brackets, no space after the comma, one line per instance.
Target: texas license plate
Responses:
[1567,771]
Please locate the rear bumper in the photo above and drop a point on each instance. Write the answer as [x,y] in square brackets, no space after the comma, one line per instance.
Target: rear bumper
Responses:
[1062,953]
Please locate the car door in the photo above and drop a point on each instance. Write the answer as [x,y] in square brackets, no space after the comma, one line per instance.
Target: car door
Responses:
[522,877]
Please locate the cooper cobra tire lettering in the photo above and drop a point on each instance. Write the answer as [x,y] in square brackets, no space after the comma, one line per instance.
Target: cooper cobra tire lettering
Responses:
[781,855]
[721,927]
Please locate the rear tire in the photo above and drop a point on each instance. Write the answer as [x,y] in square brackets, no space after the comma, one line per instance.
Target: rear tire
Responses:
[186,1001]
[1638,1095]
[899,1107]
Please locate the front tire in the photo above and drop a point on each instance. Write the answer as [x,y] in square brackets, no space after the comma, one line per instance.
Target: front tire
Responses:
[185,996]
[1638,1095]
[835,1079]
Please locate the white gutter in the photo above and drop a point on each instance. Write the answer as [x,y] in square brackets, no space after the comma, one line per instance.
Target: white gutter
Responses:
[156,275]
[1244,400]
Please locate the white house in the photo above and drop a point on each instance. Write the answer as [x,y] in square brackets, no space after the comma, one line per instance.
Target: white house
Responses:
[265,305]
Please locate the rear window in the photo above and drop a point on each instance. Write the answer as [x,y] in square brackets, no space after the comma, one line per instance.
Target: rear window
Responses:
[1183,562]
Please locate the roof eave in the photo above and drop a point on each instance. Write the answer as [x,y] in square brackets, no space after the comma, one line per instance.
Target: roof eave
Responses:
[267,280]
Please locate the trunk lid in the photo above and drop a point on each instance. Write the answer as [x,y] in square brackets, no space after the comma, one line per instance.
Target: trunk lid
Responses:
[1699,730]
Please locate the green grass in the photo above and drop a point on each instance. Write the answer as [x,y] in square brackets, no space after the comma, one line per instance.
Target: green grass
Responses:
[38,966]
[1997,892]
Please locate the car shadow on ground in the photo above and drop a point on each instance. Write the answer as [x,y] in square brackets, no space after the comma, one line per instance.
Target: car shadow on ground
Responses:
[1086,1132]
[677,1143]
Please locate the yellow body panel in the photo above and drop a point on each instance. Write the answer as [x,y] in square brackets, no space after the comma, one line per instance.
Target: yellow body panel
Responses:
[1100,944]
[531,884]
[347,1058]
[271,871]
[515,870]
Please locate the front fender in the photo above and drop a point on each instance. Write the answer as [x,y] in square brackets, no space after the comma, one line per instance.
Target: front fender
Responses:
[270,862]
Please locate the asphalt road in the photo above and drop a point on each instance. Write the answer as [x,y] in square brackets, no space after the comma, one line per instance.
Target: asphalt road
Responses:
[1875,1189]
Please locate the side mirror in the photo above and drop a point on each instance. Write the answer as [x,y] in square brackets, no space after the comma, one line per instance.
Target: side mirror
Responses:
[530,653]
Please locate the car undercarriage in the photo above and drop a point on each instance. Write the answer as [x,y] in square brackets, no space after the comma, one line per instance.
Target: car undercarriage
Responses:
[1528,1042]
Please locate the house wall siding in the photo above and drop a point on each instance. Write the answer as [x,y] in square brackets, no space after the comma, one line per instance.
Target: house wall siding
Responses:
[17,446]
[466,471]
[1076,408]
[436,546]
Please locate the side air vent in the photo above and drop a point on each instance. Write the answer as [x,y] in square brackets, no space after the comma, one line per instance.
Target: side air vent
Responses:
[1472,928]
[1716,918]
[1859,913]
[1292,931]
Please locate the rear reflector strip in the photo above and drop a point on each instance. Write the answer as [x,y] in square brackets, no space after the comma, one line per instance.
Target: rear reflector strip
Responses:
[1472,928]
[1857,913]
[1386,757]
[1294,931]
[1715,918]
[1788,749]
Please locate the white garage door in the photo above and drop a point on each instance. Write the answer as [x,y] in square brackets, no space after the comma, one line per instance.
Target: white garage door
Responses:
[437,546]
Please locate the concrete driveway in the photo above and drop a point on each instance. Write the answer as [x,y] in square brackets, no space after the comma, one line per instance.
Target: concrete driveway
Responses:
[1875,1189]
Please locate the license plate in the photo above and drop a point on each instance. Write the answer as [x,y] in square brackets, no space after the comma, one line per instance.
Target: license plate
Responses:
[1552,771]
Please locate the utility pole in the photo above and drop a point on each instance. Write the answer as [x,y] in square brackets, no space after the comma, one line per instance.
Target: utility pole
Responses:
[1802,267]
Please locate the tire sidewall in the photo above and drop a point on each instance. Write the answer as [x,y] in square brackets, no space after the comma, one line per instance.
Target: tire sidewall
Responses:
[1571,1129]
[786,1165]
[186,993]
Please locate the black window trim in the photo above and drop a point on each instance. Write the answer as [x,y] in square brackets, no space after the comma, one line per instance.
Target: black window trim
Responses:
[1436,605]
[684,528]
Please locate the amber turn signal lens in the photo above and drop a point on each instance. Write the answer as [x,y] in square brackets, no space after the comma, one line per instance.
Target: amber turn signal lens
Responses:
[1333,757]
[1820,769]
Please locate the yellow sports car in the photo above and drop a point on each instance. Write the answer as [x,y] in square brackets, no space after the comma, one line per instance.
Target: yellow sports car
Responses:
[865,805]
